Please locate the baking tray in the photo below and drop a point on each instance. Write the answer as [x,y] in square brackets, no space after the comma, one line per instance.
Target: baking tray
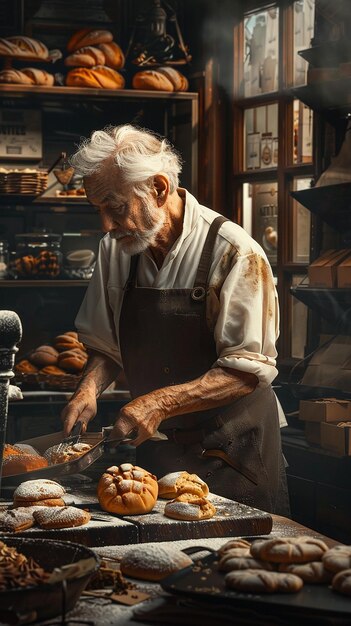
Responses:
[76,466]
[202,581]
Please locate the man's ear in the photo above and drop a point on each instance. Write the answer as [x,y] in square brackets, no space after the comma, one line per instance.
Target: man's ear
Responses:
[161,188]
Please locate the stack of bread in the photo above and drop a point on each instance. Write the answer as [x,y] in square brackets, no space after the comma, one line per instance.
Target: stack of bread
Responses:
[67,355]
[95,59]
[162,79]
[187,495]
[22,48]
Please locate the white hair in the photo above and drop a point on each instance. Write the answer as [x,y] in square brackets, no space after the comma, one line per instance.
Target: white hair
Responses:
[138,153]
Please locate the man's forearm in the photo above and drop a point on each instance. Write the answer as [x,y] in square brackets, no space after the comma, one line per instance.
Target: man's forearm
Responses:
[217,387]
[99,373]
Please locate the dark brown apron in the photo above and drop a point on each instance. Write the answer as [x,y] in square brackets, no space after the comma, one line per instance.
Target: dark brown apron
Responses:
[165,340]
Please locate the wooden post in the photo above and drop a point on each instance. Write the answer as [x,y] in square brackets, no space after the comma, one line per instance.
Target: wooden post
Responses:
[10,335]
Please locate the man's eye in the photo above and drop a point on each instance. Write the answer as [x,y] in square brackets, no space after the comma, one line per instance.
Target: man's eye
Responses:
[118,209]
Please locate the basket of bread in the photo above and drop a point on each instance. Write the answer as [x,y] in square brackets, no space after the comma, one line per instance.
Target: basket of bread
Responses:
[58,366]
[30,181]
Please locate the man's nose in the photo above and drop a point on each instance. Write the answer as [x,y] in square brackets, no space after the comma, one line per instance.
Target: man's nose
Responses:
[108,223]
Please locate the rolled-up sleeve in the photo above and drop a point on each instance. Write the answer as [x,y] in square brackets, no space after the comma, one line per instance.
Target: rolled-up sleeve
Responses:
[95,320]
[247,325]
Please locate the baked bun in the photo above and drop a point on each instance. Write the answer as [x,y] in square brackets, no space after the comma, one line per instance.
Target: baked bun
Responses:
[44,355]
[39,77]
[86,57]
[151,80]
[238,559]
[21,463]
[72,360]
[337,558]
[289,549]
[114,56]
[153,562]
[260,581]
[17,520]
[174,484]
[342,582]
[190,508]
[88,37]
[313,573]
[52,370]
[178,80]
[100,77]
[127,490]
[233,543]
[41,492]
[25,47]
[25,367]
[68,342]
[15,77]
[62,453]
[61,517]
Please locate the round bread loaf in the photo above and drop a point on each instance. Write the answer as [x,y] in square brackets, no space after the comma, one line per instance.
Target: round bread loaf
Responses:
[16,77]
[127,490]
[190,508]
[234,543]
[72,360]
[25,367]
[86,57]
[342,582]
[172,485]
[312,573]
[68,342]
[260,581]
[337,558]
[153,562]
[40,489]
[61,517]
[44,355]
[114,56]
[22,463]
[88,37]
[151,80]
[289,549]
[99,77]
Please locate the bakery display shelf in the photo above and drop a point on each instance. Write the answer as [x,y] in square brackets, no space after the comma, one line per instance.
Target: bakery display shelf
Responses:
[328,54]
[13,284]
[333,305]
[203,582]
[332,203]
[333,96]
[17,91]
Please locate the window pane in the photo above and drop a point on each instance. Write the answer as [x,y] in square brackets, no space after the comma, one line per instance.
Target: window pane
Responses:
[260,215]
[303,33]
[303,129]
[301,225]
[299,313]
[261,52]
[261,137]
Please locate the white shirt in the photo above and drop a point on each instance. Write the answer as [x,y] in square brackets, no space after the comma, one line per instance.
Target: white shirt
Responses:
[242,303]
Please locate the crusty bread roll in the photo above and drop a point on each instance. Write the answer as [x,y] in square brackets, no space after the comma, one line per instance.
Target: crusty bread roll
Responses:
[52,370]
[21,463]
[72,360]
[337,558]
[342,582]
[25,367]
[98,77]
[127,490]
[88,37]
[289,549]
[313,572]
[86,57]
[153,562]
[61,517]
[26,47]
[260,581]
[44,355]
[39,77]
[17,520]
[174,484]
[151,80]
[190,508]
[232,544]
[67,342]
[15,77]
[178,80]
[40,492]
[114,56]
[240,558]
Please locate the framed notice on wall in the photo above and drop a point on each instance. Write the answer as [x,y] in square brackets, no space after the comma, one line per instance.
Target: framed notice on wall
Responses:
[20,134]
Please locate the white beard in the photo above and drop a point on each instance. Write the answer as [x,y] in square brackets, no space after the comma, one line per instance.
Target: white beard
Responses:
[139,242]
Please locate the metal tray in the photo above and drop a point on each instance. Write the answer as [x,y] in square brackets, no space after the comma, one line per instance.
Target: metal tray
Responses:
[202,581]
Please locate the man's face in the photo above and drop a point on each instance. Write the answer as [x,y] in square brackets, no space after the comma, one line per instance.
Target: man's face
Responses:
[133,221]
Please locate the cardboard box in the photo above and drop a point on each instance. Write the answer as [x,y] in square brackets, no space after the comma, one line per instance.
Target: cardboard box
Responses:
[344,273]
[313,432]
[336,438]
[325,410]
[323,271]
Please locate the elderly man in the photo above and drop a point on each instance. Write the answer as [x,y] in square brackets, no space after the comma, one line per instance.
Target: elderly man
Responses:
[184,301]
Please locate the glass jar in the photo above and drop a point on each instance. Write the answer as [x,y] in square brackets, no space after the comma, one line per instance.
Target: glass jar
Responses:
[4,259]
[38,255]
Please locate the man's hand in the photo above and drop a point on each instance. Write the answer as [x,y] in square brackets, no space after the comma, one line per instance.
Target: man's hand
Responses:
[81,408]
[143,415]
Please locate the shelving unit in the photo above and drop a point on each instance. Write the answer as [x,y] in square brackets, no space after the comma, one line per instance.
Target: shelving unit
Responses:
[332,203]
[333,305]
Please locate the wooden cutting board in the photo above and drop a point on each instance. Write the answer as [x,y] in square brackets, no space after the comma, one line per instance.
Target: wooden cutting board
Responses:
[231,520]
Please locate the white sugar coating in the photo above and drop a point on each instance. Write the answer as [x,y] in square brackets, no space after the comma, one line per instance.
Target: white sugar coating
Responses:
[79,447]
[25,447]
[125,467]
[130,485]
[137,475]
[38,490]
[16,517]
[154,558]
[169,479]
[61,514]
[188,510]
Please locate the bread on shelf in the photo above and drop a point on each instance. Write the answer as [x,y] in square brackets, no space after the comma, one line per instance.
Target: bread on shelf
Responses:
[114,56]
[25,47]
[88,37]
[97,77]
[89,56]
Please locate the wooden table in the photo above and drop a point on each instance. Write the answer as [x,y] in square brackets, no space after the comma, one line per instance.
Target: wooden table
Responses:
[104,613]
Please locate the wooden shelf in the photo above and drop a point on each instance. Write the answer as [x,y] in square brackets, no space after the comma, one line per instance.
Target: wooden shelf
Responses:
[333,305]
[25,91]
[332,203]
[20,284]
[333,96]
[329,54]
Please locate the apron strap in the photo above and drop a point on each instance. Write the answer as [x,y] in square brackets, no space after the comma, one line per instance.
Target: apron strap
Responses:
[131,280]
[203,270]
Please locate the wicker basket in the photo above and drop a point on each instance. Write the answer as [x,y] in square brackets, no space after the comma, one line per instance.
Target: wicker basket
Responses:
[47,382]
